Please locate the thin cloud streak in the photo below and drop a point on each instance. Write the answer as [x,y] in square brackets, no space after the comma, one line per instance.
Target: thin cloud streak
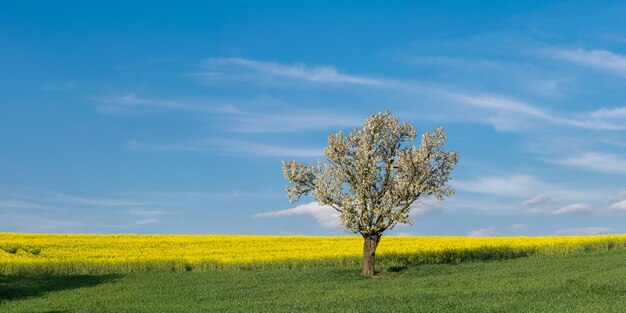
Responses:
[502,112]
[229,148]
[131,104]
[511,191]
[512,186]
[539,199]
[596,162]
[612,113]
[233,115]
[573,209]
[318,74]
[618,206]
[496,104]
[14,204]
[482,232]
[584,231]
[603,60]
[324,214]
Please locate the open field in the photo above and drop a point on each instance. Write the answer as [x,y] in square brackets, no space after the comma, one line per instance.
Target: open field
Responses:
[593,282]
[106,254]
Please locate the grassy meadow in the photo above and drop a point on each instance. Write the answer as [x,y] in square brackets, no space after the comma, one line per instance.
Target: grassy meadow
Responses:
[585,282]
[216,273]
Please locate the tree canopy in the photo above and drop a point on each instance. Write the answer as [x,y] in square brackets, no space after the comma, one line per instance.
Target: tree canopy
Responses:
[373,176]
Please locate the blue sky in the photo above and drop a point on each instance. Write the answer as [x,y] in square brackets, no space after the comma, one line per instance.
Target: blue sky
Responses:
[146,117]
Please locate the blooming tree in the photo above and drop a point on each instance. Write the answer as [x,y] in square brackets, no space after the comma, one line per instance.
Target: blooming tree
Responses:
[373,177]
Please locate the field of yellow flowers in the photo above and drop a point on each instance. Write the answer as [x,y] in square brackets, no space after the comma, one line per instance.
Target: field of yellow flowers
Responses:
[99,254]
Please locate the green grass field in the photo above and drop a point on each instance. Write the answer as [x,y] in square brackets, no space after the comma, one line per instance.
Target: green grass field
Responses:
[594,282]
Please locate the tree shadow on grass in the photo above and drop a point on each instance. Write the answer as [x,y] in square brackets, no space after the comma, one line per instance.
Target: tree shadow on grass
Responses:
[20,287]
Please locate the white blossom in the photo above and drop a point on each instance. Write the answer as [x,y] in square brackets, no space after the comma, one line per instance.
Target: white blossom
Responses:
[373,176]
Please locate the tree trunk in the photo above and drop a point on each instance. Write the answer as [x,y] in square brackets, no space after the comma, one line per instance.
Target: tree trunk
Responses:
[369,251]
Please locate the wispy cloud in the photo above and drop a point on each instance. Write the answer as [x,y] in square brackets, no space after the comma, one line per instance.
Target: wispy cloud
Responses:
[235,116]
[16,204]
[612,113]
[132,104]
[147,221]
[597,162]
[501,103]
[37,198]
[539,199]
[27,210]
[79,200]
[290,120]
[32,222]
[317,74]
[59,86]
[325,215]
[504,113]
[482,232]
[448,61]
[599,59]
[132,225]
[511,114]
[513,185]
[584,231]
[228,147]
[149,212]
[618,206]
[513,194]
[426,207]
[519,226]
[572,209]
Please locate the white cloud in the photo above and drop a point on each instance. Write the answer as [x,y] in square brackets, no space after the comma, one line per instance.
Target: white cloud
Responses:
[509,114]
[504,113]
[500,111]
[293,120]
[132,225]
[147,221]
[501,103]
[517,190]
[573,208]
[426,207]
[440,61]
[29,222]
[148,212]
[179,146]
[610,113]
[512,185]
[228,147]
[50,199]
[77,200]
[539,199]
[13,204]
[59,86]
[324,214]
[131,104]
[316,74]
[584,231]
[597,162]
[599,59]
[329,217]
[482,232]
[534,211]
[234,117]
[619,206]
[519,226]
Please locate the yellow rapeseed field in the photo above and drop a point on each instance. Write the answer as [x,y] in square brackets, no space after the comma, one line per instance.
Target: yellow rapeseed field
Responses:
[98,254]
